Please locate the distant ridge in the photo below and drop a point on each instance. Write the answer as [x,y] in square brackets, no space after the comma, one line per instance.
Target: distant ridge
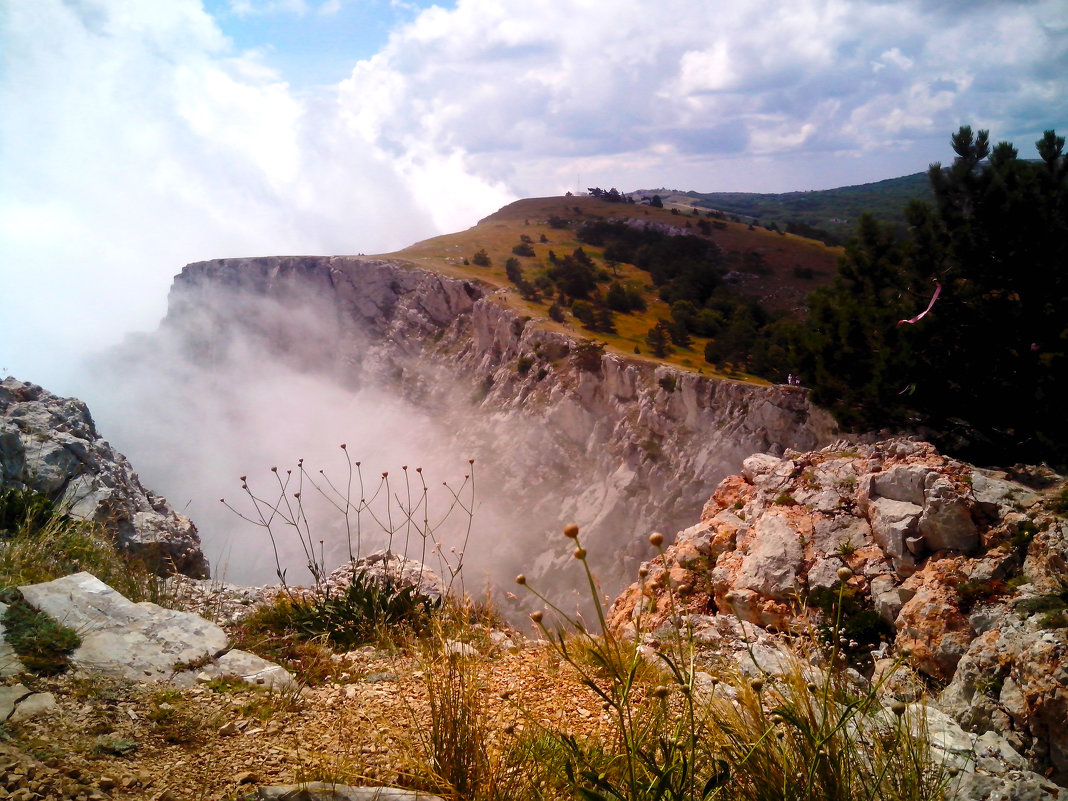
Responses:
[832,210]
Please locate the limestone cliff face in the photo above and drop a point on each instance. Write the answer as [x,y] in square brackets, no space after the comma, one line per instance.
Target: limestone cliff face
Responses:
[619,445]
[50,445]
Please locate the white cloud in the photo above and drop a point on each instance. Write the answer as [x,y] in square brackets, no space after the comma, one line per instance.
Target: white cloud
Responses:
[136,138]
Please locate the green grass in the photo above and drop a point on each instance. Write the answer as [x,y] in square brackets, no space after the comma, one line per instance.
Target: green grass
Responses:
[40,544]
[43,645]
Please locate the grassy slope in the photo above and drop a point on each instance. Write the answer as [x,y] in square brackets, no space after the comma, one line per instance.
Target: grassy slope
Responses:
[499,232]
[885,199]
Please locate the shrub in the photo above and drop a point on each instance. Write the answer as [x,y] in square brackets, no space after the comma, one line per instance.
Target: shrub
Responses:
[481,258]
[524,364]
[523,249]
[587,355]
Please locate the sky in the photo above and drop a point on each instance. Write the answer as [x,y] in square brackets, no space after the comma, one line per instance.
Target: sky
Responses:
[139,135]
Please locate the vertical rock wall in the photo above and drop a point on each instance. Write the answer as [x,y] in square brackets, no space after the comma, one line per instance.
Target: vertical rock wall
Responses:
[618,445]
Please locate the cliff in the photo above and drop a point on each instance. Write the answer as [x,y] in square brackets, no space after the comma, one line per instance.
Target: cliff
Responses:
[902,553]
[567,432]
[50,445]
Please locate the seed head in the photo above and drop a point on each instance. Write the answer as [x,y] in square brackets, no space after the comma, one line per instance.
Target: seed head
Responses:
[643,571]
[812,686]
[244,479]
[660,691]
[845,574]
[520,579]
[580,553]
[536,616]
[656,539]
[571,531]
[898,708]
[343,446]
[757,684]
[509,729]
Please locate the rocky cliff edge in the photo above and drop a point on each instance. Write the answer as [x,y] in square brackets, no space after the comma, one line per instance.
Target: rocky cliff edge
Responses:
[50,445]
[889,552]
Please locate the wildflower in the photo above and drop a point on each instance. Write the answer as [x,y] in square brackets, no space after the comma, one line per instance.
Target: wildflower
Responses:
[656,539]
[845,574]
[571,531]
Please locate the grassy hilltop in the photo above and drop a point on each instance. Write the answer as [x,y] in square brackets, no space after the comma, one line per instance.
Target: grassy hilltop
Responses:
[774,271]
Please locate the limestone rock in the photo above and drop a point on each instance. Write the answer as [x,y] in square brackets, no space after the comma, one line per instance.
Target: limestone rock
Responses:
[142,641]
[773,561]
[892,523]
[50,445]
[946,522]
[958,619]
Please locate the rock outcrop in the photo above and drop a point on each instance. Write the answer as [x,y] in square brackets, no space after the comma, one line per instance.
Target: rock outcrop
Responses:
[959,571]
[144,642]
[50,445]
[568,432]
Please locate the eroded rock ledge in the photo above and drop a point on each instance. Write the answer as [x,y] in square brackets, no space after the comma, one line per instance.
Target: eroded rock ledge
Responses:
[569,433]
[50,445]
[965,568]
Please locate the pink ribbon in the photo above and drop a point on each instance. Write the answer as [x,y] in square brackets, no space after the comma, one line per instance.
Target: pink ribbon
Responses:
[921,315]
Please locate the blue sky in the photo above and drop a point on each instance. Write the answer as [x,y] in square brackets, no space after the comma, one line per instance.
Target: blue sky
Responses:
[313,44]
[139,135]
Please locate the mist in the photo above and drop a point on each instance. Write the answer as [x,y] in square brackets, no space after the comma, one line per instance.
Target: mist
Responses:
[194,420]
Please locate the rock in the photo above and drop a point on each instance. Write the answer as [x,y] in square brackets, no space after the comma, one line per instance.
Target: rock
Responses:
[773,561]
[461,649]
[996,497]
[903,483]
[143,641]
[33,705]
[252,669]
[946,522]
[385,567]
[888,597]
[50,445]
[892,522]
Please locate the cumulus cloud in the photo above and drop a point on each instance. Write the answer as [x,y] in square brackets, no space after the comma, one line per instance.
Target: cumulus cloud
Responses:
[136,140]
[536,94]
[137,137]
